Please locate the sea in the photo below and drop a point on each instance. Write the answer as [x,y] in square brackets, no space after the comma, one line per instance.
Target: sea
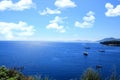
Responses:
[59,60]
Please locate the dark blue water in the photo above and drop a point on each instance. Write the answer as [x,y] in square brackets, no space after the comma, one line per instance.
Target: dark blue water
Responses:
[60,60]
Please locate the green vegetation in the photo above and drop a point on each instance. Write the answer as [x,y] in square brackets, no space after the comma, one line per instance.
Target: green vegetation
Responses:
[15,74]
[90,74]
[12,74]
[111,43]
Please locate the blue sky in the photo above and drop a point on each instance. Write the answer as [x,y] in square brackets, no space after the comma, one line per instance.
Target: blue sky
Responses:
[59,19]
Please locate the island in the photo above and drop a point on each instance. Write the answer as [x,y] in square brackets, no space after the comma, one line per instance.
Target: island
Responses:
[111,42]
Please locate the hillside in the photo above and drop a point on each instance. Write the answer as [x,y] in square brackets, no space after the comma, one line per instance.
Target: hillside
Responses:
[110,41]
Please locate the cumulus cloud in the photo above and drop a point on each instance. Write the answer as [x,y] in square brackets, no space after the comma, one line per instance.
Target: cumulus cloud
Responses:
[18,6]
[13,31]
[111,11]
[88,21]
[65,4]
[55,24]
[60,4]
[50,11]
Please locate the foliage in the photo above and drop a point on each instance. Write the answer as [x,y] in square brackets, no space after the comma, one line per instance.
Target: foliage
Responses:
[90,74]
[14,74]
[11,74]
[113,75]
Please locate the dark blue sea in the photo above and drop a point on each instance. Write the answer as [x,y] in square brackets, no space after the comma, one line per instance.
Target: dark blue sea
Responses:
[59,60]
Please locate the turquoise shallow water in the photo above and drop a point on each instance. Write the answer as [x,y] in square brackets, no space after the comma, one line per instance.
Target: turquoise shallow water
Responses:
[61,60]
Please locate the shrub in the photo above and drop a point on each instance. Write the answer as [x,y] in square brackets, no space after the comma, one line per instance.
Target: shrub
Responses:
[11,74]
[90,74]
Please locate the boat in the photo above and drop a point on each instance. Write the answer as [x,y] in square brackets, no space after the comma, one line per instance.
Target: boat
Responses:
[87,47]
[101,50]
[85,53]
[98,66]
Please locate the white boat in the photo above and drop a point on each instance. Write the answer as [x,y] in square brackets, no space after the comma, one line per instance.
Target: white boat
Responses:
[101,50]
[87,47]
[85,53]
[98,66]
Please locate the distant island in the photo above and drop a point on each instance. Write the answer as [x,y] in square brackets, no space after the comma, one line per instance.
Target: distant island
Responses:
[110,42]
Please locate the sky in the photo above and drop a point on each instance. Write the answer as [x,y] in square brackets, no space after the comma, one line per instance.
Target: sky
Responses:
[56,20]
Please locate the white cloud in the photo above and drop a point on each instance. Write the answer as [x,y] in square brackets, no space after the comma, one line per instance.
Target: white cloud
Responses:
[50,11]
[55,24]
[111,11]
[18,6]
[65,4]
[88,21]
[59,4]
[57,20]
[13,31]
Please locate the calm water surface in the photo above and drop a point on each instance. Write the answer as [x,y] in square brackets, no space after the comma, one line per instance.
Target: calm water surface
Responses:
[61,60]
